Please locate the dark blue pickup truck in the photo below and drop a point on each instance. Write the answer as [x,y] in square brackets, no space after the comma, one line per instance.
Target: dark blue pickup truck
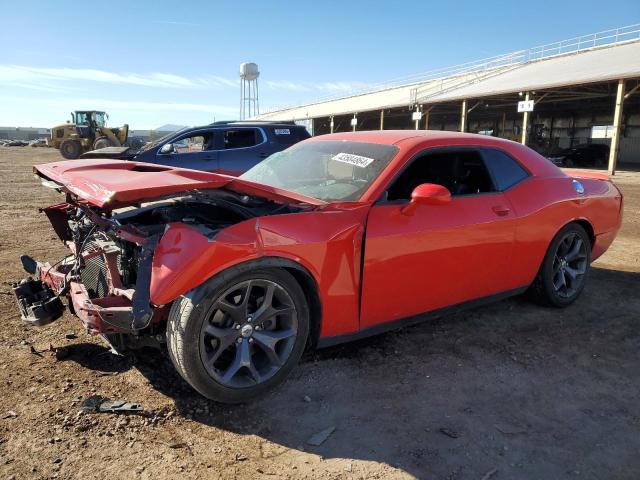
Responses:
[224,147]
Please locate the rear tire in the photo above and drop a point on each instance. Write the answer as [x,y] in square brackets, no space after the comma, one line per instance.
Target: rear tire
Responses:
[70,149]
[229,342]
[564,270]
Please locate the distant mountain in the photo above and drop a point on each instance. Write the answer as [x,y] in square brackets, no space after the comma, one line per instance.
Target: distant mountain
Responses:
[169,128]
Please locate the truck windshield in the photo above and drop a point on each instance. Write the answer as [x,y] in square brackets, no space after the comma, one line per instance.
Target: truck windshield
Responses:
[82,118]
[327,170]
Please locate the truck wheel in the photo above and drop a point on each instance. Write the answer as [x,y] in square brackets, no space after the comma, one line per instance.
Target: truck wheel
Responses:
[102,142]
[564,270]
[238,335]
[70,149]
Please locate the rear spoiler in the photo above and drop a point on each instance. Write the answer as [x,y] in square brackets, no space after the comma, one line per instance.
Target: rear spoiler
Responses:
[587,174]
[119,153]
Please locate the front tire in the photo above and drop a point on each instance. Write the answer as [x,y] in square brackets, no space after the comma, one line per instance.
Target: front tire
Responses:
[102,142]
[565,268]
[70,149]
[239,334]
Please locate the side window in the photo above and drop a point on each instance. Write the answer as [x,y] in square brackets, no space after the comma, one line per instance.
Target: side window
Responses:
[82,118]
[241,138]
[194,143]
[505,170]
[462,172]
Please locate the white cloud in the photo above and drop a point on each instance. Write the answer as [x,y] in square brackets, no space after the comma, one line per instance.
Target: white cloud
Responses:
[292,86]
[25,76]
[326,87]
[170,22]
[51,78]
[105,104]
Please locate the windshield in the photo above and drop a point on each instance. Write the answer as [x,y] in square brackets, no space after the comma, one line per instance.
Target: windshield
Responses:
[327,170]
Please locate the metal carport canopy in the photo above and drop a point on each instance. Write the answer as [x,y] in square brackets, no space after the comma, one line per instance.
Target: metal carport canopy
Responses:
[600,64]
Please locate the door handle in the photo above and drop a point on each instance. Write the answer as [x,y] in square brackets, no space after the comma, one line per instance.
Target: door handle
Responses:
[501,210]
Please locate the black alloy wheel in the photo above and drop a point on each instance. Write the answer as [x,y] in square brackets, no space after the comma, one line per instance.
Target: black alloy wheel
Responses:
[239,334]
[564,270]
[569,265]
[250,332]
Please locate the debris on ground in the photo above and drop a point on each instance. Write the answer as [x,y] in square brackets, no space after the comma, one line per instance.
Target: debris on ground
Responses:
[10,414]
[59,352]
[105,374]
[319,438]
[449,433]
[100,404]
[70,335]
[490,474]
[509,429]
[34,351]
[178,445]
[307,398]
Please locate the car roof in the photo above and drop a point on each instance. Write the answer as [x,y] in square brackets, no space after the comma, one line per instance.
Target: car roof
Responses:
[234,124]
[413,137]
[410,142]
[257,123]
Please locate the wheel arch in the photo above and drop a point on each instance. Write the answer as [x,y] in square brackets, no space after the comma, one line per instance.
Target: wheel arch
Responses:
[302,276]
[584,223]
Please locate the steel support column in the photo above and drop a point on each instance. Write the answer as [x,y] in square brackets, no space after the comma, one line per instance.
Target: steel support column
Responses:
[355,117]
[417,122]
[463,116]
[426,117]
[615,137]
[381,119]
[525,122]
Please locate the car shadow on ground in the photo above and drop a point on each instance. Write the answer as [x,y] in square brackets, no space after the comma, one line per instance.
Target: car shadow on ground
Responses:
[530,392]
[95,357]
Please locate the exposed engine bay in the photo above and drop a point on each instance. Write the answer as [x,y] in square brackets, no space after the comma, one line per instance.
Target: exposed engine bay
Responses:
[207,212]
[107,275]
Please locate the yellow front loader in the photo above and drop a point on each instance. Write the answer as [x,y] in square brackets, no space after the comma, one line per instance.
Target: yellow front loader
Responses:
[87,131]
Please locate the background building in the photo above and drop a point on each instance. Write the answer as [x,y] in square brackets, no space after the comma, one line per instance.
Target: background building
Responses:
[584,90]
[23,133]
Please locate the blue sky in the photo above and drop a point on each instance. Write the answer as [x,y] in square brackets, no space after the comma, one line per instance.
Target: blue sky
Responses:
[154,62]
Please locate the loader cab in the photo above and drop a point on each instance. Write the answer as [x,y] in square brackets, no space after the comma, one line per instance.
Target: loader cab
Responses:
[90,118]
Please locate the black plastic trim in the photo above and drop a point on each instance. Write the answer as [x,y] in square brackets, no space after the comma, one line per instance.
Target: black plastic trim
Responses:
[397,324]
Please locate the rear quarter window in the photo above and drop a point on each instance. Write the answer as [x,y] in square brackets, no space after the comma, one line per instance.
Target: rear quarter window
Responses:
[506,171]
[289,134]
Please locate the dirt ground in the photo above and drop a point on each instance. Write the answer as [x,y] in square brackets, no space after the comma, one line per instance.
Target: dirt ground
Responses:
[509,391]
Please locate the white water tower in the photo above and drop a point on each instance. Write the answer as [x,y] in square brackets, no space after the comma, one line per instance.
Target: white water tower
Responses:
[249,105]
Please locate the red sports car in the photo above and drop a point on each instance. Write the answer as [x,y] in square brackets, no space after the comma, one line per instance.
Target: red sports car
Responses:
[338,237]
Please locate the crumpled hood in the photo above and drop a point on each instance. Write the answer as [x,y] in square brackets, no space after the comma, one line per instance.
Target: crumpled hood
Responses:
[116,183]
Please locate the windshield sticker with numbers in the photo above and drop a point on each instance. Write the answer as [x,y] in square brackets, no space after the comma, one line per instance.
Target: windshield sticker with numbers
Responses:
[352,159]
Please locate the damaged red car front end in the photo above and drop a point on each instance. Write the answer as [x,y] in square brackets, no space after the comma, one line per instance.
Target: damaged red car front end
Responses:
[113,219]
[95,279]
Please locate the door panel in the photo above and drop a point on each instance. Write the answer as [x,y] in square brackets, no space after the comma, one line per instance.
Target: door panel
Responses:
[439,256]
[237,155]
[238,161]
[205,160]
